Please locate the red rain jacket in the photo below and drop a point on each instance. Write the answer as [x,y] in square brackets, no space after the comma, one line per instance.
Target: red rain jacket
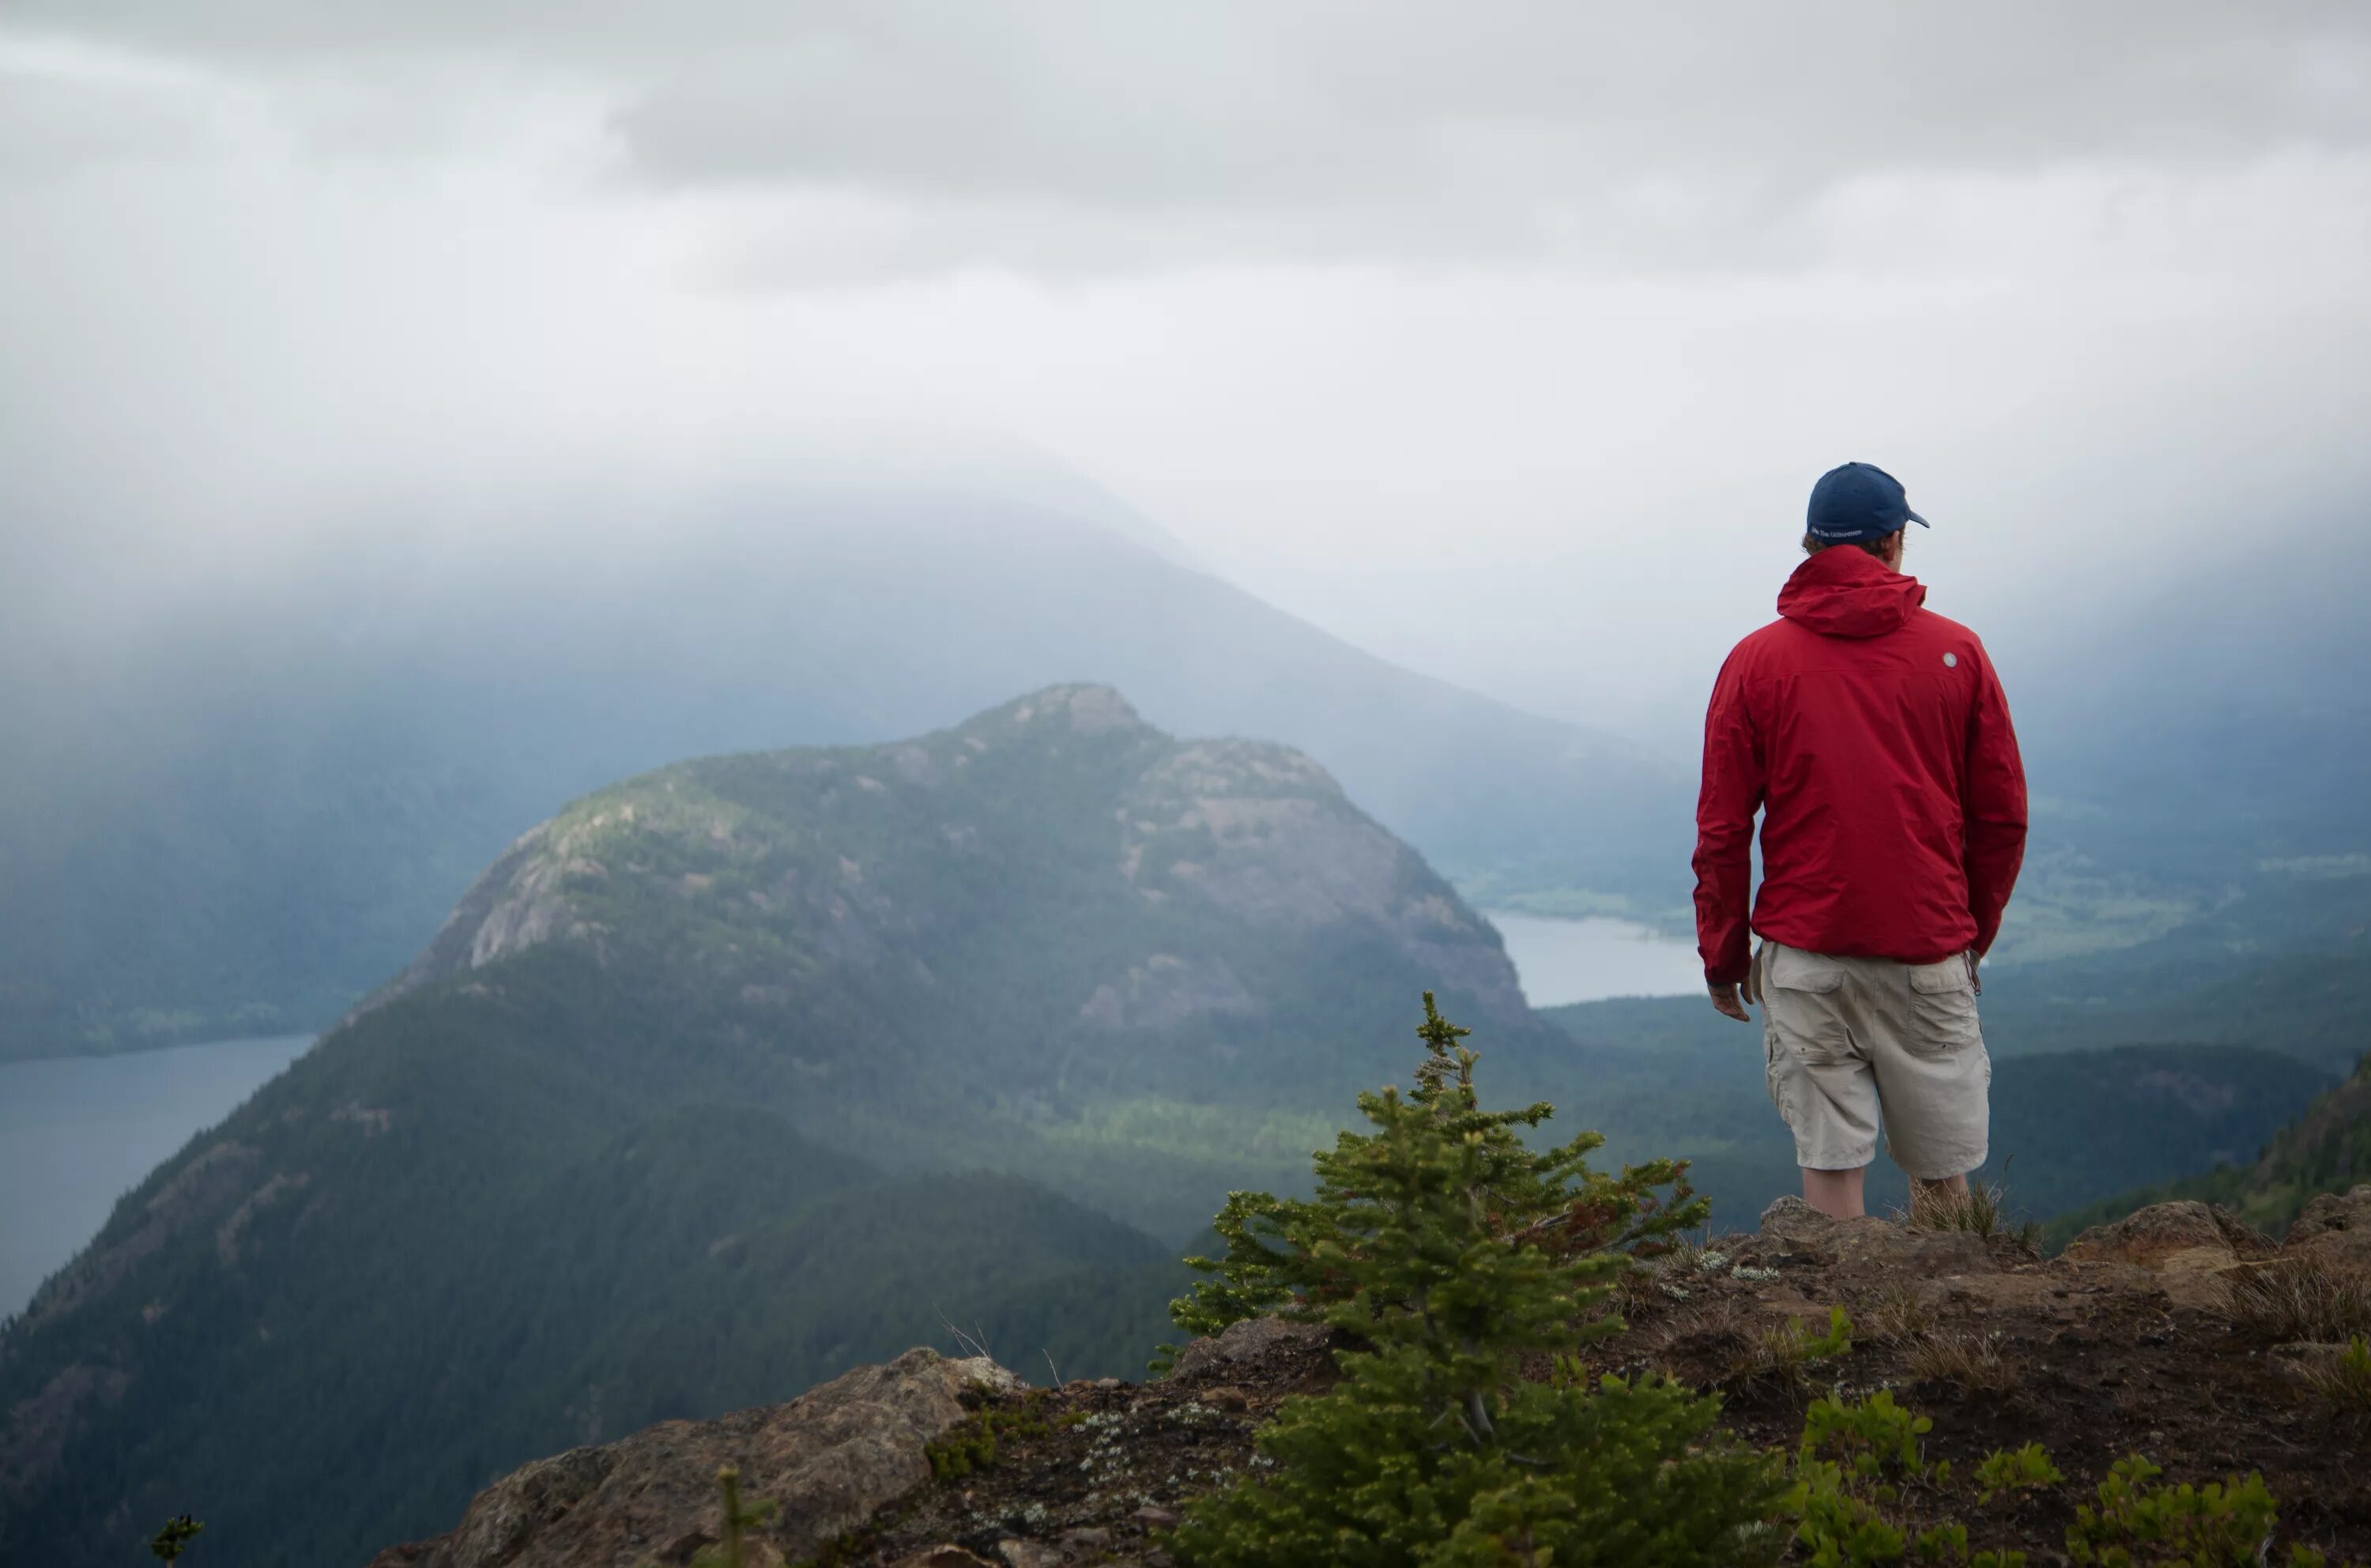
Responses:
[1872,735]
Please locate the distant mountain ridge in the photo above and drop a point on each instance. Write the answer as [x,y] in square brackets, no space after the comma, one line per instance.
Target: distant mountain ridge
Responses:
[242,820]
[727,1078]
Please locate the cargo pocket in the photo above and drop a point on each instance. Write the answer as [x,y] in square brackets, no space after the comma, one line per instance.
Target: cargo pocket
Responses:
[1942,1009]
[1799,1002]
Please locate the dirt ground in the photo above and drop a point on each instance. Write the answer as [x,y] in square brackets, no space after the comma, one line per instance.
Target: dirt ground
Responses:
[2127,1345]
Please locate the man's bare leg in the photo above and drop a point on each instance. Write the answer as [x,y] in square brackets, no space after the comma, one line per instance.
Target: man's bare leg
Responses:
[1949,1194]
[1835,1193]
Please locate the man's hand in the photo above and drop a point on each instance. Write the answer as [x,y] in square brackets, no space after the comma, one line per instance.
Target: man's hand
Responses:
[1731,1000]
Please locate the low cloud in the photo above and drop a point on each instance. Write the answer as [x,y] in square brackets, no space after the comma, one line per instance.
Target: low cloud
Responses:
[1065,137]
[1504,340]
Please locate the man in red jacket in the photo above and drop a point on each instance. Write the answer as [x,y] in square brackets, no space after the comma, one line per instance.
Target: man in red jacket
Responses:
[1872,736]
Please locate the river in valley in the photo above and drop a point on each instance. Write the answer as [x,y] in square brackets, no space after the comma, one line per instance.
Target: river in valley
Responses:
[77,1132]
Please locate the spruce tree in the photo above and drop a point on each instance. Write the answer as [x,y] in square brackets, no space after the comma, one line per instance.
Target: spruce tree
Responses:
[1448,1250]
[1296,1256]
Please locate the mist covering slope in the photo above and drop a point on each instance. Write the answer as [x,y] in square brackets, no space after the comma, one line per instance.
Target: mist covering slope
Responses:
[240,818]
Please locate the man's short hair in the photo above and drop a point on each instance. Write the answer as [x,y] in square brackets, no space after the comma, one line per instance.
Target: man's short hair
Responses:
[1813,544]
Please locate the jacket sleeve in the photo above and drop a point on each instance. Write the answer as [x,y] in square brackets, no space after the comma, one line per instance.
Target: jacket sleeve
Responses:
[1730,794]
[1994,808]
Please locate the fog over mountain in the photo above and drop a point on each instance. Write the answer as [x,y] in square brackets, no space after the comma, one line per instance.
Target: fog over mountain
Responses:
[1503,344]
[251,813]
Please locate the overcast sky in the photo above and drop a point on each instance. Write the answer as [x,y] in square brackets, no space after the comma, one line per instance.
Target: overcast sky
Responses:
[1505,340]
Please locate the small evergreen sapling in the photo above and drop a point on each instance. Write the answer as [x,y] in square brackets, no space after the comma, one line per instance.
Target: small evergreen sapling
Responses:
[737,1519]
[174,1538]
[1302,1256]
[1449,1250]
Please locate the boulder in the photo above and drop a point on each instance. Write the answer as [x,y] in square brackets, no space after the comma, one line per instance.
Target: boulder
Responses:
[828,1460]
[1249,1343]
[1020,1553]
[1793,1231]
[2182,1237]
[2335,1227]
[2184,1247]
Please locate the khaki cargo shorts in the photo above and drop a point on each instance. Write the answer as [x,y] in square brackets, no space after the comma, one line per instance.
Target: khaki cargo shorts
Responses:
[1848,1039]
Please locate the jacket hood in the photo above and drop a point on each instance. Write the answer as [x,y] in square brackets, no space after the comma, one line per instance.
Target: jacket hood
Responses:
[1844,592]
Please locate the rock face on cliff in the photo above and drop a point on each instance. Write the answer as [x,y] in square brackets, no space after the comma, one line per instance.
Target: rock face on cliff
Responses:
[828,1460]
[723,1081]
[2142,1338]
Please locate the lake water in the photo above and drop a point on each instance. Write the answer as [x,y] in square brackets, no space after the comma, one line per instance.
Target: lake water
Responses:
[76,1134]
[1586,960]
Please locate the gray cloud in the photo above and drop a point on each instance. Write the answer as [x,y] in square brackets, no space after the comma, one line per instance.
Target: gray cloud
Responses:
[1063,135]
[1501,340]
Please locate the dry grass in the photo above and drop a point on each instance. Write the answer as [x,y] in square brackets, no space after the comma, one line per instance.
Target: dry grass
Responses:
[1983,1210]
[1773,1355]
[1974,1362]
[2301,1298]
[2345,1379]
[1777,1353]
[1897,1315]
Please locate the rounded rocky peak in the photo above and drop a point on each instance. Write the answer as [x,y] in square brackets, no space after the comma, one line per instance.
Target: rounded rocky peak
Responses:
[1085,708]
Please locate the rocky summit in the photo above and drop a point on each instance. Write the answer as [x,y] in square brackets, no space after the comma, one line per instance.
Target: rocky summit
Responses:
[2175,1333]
[809,853]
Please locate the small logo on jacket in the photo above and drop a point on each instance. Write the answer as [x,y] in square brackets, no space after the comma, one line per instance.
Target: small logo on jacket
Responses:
[1950,661]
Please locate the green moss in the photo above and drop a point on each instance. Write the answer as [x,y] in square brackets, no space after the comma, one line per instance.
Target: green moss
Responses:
[972,1446]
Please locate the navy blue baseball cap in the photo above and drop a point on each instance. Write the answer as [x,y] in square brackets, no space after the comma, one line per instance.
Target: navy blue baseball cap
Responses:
[1859,500]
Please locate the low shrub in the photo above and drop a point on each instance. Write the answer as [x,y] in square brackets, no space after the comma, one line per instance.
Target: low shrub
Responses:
[2137,1521]
[1781,1353]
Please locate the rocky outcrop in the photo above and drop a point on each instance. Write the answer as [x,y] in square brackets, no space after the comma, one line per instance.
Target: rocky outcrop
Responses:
[2185,1246]
[1165,991]
[1249,1348]
[827,1461]
[2335,1226]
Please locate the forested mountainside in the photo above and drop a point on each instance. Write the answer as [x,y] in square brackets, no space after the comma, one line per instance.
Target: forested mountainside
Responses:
[1667,1076]
[239,819]
[689,1105]
[2326,1150]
